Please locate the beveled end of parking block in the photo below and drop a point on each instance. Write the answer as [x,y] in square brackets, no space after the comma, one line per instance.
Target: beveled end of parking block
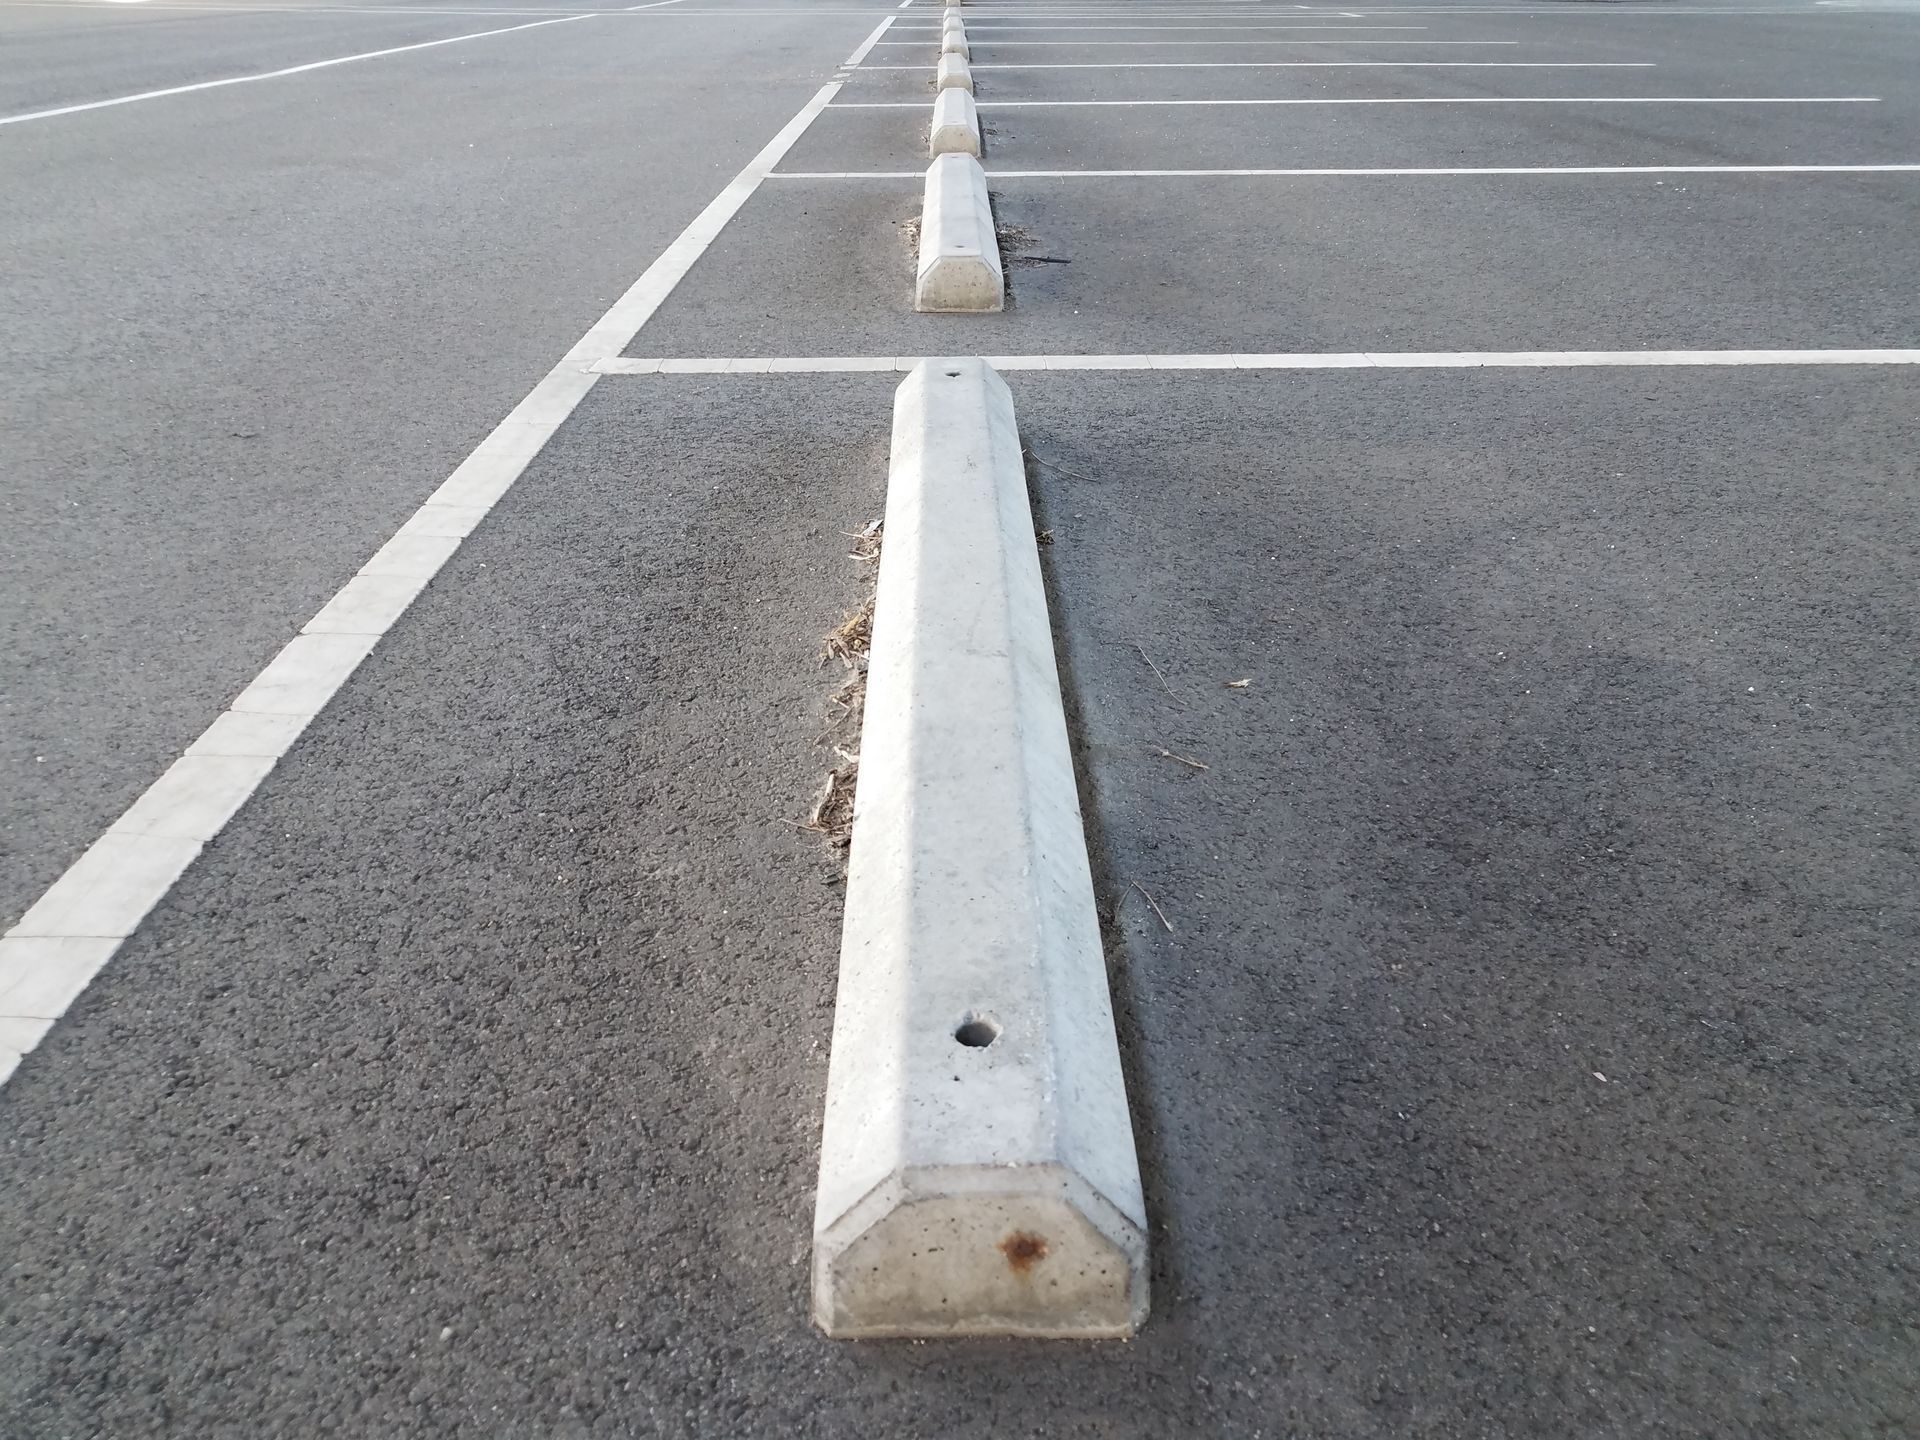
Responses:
[956,125]
[981,1250]
[953,72]
[959,267]
[953,41]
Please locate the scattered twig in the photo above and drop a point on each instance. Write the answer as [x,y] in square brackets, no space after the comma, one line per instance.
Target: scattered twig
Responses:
[847,642]
[1156,906]
[1166,754]
[866,541]
[1156,671]
[832,814]
[1058,469]
[1239,684]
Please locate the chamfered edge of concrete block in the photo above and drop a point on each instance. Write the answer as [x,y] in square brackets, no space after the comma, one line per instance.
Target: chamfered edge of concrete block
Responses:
[956,124]
[1042,1255]
[959,264]
[954,42]
[953,71]
[977,1168]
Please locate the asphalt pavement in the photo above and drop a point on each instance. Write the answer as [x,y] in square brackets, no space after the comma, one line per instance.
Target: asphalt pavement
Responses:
[1514,973]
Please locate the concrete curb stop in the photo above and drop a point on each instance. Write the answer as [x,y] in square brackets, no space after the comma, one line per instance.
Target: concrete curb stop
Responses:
[959,249]
[953,71]
[977,1166]
[956,125]
[954,42]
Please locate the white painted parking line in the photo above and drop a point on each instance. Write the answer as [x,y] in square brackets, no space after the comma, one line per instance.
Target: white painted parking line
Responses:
[982,27]
[866,46]
[1312,65]
[1309,360]
[104,895]
[550,11]
[1370,174]
[275,74]
[1400,100]
[1165,44]
[1609,11]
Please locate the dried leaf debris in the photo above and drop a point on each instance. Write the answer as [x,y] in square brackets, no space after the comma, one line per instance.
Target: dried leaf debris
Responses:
[848,642]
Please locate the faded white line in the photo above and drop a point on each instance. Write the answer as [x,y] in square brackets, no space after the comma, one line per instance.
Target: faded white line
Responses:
[1342,174]
[277,74]
[1402,100]
[48,958]
[1312,360]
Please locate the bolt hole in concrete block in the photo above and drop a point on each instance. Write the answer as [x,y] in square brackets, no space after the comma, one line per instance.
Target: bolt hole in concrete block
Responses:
[976,1032]
[1002,1196]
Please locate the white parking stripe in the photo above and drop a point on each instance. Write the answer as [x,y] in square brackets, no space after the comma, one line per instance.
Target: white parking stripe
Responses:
[52,953]
[1329,360]
[276,74]
[1343,174]
[1164,44]
[1402,100]
[1313,65]
[866,46]
[982,27]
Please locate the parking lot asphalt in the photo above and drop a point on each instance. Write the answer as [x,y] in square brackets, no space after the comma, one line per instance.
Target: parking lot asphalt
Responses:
[249,330]
[1513,974]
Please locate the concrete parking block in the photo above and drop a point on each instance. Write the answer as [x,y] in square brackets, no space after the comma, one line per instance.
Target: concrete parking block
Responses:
[959,251]
[953,71]
[977,1169]
[956,125]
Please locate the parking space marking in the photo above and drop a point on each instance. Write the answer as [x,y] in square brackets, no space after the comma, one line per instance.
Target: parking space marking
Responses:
[865,47]
[1401,100]
[276,74]
[982,27]
[1369,174]
[1311,65]
[1176,44]
[1309,360]
[50,956]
